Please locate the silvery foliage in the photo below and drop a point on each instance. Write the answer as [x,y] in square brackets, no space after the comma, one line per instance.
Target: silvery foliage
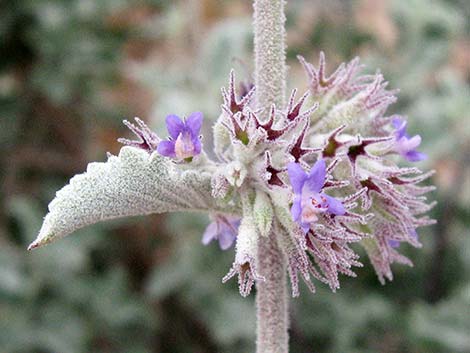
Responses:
[132,183]
[345,126]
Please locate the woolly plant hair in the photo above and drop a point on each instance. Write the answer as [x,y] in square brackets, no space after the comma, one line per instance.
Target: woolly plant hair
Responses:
[295,184]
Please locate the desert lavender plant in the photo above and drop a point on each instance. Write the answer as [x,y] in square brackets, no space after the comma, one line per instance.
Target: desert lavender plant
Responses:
[293,186]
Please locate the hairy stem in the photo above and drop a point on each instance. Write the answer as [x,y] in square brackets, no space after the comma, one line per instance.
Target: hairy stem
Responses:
[271,299]
[270,52]
[270,81]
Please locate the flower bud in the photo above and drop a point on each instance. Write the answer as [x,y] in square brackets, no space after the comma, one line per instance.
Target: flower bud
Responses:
[236,173]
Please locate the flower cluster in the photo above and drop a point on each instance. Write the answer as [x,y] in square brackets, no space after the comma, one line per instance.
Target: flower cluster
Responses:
[317,178]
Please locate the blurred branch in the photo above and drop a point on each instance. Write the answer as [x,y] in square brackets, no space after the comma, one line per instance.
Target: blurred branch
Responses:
[435,288]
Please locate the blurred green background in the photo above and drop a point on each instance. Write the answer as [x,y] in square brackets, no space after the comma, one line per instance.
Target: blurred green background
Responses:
[71,70]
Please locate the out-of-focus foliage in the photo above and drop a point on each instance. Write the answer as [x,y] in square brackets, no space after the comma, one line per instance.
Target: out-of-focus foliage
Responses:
[71,70]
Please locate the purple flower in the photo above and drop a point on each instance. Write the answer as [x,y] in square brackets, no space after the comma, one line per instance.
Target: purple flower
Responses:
[309,201]
[406,145]
[224,229]
[184,139]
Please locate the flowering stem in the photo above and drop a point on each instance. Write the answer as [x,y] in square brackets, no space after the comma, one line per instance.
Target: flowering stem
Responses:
[271,299]
[270,52]
[270,81]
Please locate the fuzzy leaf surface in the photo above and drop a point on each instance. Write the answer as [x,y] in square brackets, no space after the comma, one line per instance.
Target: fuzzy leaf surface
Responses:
[130,184]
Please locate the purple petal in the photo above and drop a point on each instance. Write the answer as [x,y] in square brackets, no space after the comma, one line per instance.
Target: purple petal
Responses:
[174,125]
[409,144]
[397,122]
[400,126]
[297,177]
[305,227]
[296,209]
[226,239]
[166,148]
[415,156]
[210,233]
[413,233]
[334,205]
[394,243]
[197,146]
[406,145]
[194,123]
[234,221]
[316,179]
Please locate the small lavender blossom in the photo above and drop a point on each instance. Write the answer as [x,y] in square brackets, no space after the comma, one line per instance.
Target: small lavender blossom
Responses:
[406,145]
[394,243]
[309,201]
[184,137]
[224,229]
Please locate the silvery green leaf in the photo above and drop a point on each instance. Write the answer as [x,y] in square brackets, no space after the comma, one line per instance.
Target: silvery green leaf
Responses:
[263,213]
[281,211]
[133,183]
